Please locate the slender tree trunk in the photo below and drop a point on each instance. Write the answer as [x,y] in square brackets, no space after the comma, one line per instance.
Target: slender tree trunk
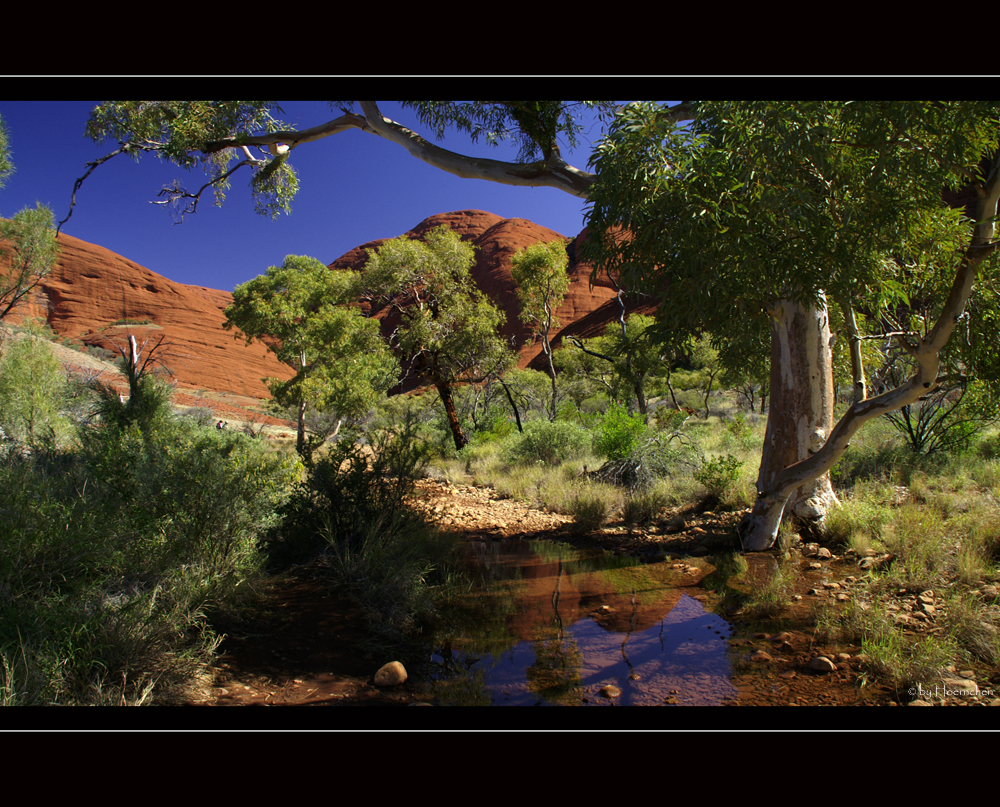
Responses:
[639,386]
[300,437]
[673,396]
[517,415]
[799,420]
[444,390]
[547,348]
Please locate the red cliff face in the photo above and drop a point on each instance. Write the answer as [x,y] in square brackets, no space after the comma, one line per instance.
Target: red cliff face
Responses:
[92,287]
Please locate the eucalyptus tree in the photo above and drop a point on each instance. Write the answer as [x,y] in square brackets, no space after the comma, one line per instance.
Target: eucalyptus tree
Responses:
[539,273]
[448,329]
[757,216]
[301,310]
[628,358]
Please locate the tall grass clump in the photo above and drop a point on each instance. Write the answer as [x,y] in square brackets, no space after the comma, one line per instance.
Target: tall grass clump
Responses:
[861,519]
[904,664]
[591,508]
[917,537]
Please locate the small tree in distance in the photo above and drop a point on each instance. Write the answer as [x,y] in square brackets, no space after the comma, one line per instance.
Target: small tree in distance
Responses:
[31,249]
[300,311]
[449,330]
[539,272]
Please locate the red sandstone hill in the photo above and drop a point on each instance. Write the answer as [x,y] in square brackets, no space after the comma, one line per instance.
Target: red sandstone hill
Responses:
[585,311]
[92,287]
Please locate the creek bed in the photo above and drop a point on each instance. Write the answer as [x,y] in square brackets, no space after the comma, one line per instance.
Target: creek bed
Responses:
[555,625]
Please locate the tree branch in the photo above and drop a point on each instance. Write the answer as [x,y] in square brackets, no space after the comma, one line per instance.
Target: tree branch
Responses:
[176,192]
[553,172]
[125,147]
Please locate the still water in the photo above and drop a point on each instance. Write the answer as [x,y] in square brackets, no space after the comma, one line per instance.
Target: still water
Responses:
[555,625]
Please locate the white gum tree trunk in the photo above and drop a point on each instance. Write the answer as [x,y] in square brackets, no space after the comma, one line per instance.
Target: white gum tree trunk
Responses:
[800,418]
[801,380]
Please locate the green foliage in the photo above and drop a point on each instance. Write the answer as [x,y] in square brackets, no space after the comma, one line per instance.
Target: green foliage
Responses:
[948,419]
[533,125]
[530,390]
[618,433]
[539,273]
[353,504]
[300,311]
[769,200]
[6,166]
[184,132]
[623,363]
[28,256]
[549,442]
[449,330]
[353,488]
[32,386]
[717,474]
[146,407]
[116,554]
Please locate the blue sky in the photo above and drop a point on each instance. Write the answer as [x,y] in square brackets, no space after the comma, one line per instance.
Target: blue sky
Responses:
[354,187]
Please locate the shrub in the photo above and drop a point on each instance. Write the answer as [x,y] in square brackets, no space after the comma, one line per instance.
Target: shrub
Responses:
[116,554]
[618,433]
[660,456]
[351,507]
[32,385]
[548,442]
[947,419]
[718,474]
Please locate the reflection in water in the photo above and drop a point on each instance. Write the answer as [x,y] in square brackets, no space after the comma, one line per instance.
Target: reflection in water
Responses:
[555,625]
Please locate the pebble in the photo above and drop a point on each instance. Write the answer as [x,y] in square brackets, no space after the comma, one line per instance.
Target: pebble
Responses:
[822,664]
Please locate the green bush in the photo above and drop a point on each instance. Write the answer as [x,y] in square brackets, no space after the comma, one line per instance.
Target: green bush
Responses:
[618,433]
[32,386]
[719,473]
[352,508]
[549,442]
[116,554]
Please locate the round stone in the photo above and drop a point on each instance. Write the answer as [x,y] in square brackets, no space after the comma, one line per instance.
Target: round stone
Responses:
[390,675]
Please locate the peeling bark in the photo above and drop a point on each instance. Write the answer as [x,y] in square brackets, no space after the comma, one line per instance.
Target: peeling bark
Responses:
[799,418]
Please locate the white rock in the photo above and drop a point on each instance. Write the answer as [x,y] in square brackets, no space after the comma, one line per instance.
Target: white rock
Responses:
[390,675]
